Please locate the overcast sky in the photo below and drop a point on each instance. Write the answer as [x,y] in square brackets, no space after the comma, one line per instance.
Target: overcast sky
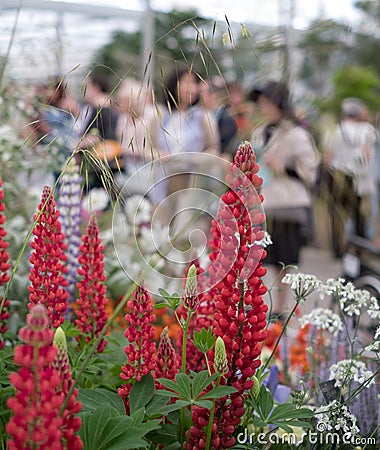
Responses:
[253,11]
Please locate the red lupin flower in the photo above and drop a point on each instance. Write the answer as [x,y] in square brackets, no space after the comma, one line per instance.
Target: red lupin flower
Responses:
[35,423]
[47,258]
[90,312]
[240,312]
[140,333]
[4,268]
[167,364]
[71,424]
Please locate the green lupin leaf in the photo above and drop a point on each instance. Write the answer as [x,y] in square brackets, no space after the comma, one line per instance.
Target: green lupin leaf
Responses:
[204,340]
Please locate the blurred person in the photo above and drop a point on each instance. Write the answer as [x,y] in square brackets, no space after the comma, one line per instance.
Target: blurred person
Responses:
[188,129]
[349,158]
[55,127]
[291,161]
[239,108]
[97,127]
[213,97]
[136,131]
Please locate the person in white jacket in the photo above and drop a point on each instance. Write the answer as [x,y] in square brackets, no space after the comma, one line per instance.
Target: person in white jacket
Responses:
[349,157]
[289,162]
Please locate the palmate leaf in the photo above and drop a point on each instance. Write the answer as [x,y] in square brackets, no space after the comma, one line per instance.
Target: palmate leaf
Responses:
[289,411]
[141,393]
[167,434]
[288,425]
[174,407]
[183,385]
[200,381]
[93,425]
[155,404]
[169,384]
[204,340]
[92,398]
[219,392]
[105,429]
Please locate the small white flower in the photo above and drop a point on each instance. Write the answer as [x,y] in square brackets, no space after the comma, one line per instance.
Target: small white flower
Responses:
[349,370]
[331,287]
[302,284]
[374,309]
[322,319]
[336,416]
[375,346]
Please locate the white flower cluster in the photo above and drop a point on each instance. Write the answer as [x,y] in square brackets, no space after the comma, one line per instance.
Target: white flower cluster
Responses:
[374,309]
[302,284]
[375,346]
[349,370]
[322,319]
[336,417]
[351,299]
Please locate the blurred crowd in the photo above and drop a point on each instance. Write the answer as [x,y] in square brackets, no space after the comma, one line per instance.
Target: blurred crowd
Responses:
[116,131]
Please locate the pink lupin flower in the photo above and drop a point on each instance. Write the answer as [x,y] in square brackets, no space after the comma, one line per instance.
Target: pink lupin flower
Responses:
[4,268]
[47,258]
[35,423]
[71,424]
[240,312]
[167,363]
[91,315]
[140,333]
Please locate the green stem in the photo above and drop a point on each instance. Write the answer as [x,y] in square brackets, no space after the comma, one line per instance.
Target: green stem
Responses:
[208,365]
[211,420]
[185,329]
[282,333]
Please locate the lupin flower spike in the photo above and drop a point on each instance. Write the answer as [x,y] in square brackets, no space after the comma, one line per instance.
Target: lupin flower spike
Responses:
[90,312]
[236,287]
[167,363]
[69,204]
[71,424]
[220,358]
[35,422]
[190,297]
[140,333]
[47,258]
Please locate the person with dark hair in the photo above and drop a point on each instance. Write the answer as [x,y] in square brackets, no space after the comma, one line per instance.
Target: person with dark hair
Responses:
[186,130]
[290,161]
[56,125]
[97,125]
[213,98]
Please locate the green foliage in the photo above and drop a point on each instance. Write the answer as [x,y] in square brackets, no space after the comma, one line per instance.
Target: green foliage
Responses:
[204,340]
[105,428]
[7,366]
[172,300]
[104,369]
[354,81]
[284,415]
[189,391]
